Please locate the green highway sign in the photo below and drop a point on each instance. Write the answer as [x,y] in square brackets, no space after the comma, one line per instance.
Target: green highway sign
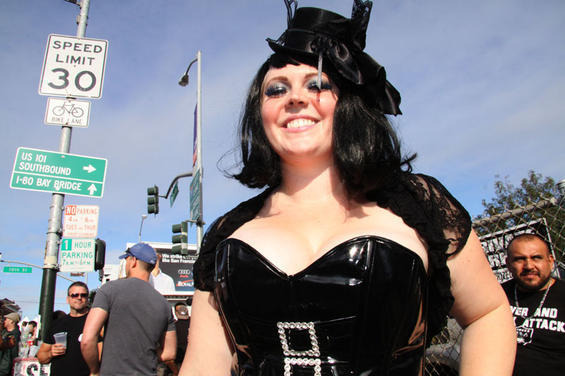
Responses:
[17,269]
[195,197]
[174,193]
[48,171]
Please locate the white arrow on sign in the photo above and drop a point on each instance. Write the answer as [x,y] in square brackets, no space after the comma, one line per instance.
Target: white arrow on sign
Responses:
[89,168]
[91,189]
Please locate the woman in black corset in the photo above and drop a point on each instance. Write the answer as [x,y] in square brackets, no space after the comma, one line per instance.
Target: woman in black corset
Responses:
[347,263]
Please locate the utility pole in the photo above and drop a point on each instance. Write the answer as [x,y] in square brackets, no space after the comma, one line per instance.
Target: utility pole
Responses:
[50,263]
[197,172]
[200,220]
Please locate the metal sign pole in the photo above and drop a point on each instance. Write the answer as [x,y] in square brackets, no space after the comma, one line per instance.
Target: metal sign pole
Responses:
[199,228]
[50,263]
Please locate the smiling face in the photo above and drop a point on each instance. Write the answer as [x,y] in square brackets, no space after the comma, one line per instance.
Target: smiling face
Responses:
[297,116]
[530,263]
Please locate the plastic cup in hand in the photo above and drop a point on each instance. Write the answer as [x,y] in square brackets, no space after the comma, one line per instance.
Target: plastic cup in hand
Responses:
[61,338]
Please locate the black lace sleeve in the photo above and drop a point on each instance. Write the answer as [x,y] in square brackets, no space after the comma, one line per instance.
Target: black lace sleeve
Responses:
[425,205]
[222,228]
[446,216]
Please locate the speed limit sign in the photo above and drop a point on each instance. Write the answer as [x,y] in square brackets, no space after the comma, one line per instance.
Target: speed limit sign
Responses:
[73,67]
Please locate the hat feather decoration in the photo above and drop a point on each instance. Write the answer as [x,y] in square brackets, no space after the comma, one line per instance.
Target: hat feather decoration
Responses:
[325,35]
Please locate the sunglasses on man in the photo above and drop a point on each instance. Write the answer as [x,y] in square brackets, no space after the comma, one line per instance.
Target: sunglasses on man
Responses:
[77,295]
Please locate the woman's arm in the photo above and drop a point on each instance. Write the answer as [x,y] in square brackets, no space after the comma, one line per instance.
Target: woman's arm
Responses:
[208,352]
[481,308]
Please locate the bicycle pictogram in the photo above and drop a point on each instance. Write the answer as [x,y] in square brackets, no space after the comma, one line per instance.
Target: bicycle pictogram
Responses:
[70,108]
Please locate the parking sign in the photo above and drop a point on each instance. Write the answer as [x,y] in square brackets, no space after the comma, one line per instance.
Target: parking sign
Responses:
[77,255]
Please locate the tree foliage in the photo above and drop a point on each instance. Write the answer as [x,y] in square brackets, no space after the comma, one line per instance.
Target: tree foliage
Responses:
[534,192]
[532,189]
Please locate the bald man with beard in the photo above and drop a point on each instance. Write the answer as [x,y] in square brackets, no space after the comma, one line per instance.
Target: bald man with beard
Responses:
[537,301]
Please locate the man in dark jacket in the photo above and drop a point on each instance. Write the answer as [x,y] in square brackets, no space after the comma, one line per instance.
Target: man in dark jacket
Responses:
[9,343]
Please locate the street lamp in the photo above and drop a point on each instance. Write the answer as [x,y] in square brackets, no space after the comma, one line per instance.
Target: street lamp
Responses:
[197,170]
[184,79]
[143,217]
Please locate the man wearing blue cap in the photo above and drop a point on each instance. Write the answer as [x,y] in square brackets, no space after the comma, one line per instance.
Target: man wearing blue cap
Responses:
[139,325]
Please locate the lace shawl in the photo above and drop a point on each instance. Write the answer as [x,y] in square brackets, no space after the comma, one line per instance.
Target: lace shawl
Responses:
[420,200]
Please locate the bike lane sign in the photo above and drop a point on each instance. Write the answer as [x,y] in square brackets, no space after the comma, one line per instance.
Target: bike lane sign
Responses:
[73,67]
[69,112]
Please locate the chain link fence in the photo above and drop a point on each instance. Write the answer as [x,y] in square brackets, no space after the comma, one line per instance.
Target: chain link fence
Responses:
[546,217]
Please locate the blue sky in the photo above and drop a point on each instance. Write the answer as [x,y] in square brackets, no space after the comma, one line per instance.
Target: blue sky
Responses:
[481,83]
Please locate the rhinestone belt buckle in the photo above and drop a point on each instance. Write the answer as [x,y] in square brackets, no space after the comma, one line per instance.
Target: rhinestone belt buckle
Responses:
[309,358]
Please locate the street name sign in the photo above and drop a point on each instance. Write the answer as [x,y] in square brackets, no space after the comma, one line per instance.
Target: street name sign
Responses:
[174,193]
[195,196]
[77,255]
[69,112]
[17,269]
[48,171]
[80,221]
[73,67]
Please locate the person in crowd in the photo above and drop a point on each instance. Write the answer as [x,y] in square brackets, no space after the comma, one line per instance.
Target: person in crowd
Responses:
[182,326]
[161,281]
[67,360]
[24,332]
[139,323]
[537,301]
[9,342]
[31,332]
[347,263]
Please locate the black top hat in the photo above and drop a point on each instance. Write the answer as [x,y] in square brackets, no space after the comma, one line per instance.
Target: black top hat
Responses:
[315,32]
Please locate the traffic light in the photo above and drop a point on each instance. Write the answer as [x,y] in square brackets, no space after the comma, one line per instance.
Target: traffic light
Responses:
[153,200]
[180,238]
[99,254]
